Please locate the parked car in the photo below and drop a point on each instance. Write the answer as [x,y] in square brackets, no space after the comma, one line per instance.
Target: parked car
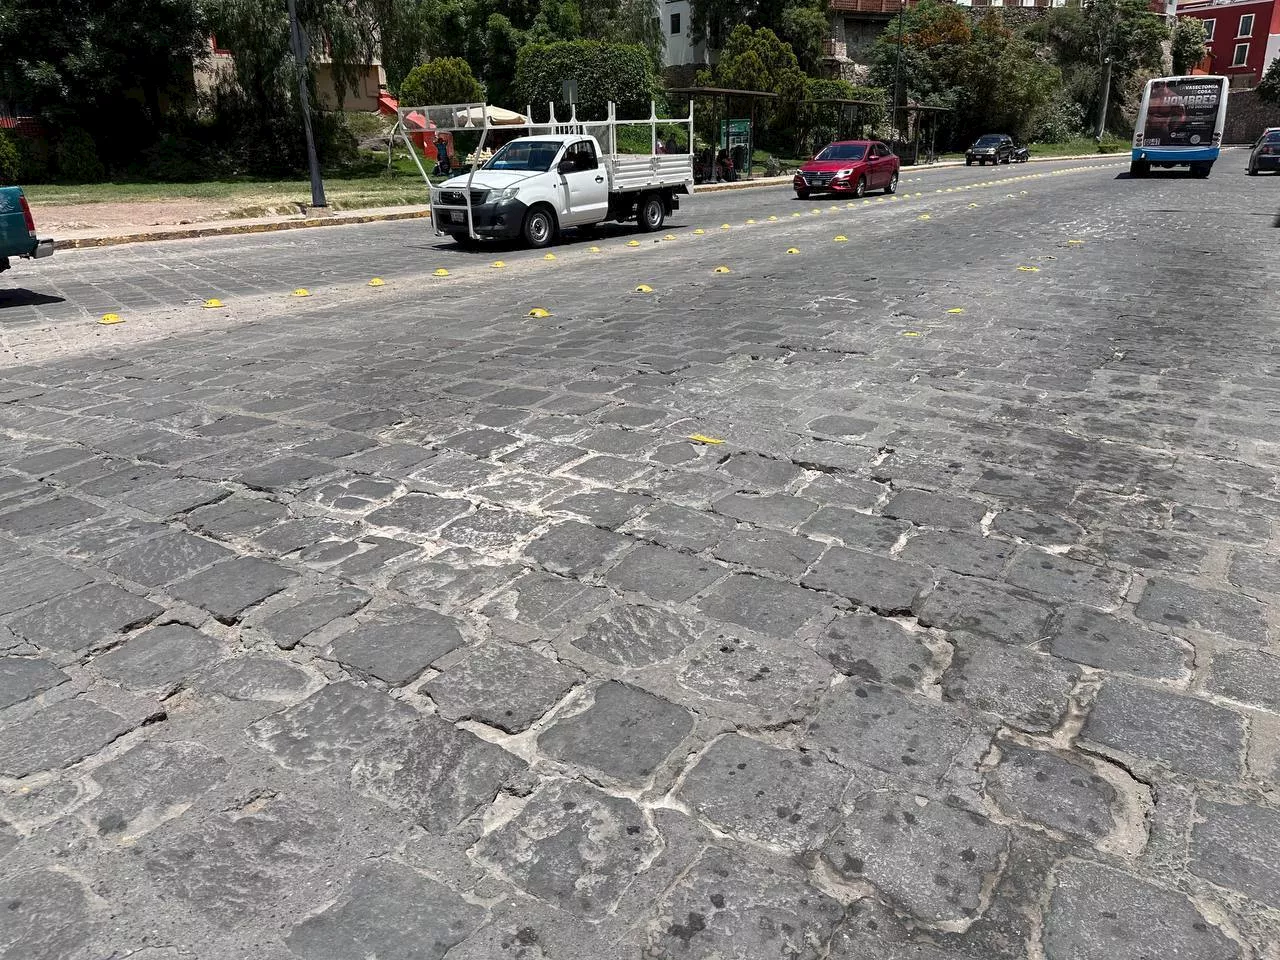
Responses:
[990,148]
[1266,152]
[18,229]
[849,167]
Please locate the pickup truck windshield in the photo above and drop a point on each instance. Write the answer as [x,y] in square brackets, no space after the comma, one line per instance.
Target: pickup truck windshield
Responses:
[842,151]
[534,156]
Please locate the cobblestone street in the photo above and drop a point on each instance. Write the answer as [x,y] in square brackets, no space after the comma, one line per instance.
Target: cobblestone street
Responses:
[398,623]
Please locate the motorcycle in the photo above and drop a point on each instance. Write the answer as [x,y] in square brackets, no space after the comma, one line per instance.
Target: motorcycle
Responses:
[1020,155]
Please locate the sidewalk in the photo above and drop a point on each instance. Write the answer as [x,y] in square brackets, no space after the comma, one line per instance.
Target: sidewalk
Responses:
[96,237]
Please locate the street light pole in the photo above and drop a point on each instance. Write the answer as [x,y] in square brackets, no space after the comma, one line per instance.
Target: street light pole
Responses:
[299,44]
[1106,95]
[897,67]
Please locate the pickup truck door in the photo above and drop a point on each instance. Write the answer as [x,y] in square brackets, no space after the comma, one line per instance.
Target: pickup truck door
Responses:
[584,185]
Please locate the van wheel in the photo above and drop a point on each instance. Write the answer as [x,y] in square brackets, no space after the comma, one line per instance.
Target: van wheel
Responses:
[1201,170]
[539,227]
[651,213]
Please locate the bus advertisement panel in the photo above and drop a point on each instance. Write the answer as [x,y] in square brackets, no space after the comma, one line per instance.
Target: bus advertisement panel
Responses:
[1182,112]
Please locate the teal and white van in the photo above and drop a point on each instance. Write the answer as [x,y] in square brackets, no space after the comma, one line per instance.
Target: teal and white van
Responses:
[1180,124]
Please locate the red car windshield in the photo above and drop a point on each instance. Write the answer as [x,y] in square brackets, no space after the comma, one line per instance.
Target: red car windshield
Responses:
[842,151]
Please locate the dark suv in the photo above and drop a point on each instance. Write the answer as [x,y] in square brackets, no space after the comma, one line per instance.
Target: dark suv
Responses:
[990,148]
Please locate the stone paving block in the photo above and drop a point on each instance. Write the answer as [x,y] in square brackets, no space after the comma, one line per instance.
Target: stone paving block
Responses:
[166,558]
[626,733]
[609,509]
[491,530]
[929,859]
[1062,577]
[680,527]
[173,497]
[306,534]
[853,529]
[1097,639]
[57,736]
[419,513]
[836,491]
[366,558]
[1042,529]
[1179,604]
[290,625]
[756,684]
[634,636]
[979,606]
[1026,690]
[140,786]
[874,648]
[1254,573]
[501,685]
[741,902]
[1246,676]
[437,775]
[454,578]
[393,460]
[840,427]
[577,549]
[782,553]
[24,583]
[333,727]
[1191,736]
[781,798]
[257,677]
[908,737]
[664,574]
[396,645]
[966,553]
[760,474]
[885,585]
[928,509]
[767,510]
[1157,551]
[77,621]
[160,659]
[48,917]
[228,589]
[389,911]
[546,602]
[1036,786]
[289,472]
[1238,846]
[1233,525]
[573,846]
[237,517]
[47,516]
[766,606]
[22,678]
[480,443]
[352,493]
[1097,913]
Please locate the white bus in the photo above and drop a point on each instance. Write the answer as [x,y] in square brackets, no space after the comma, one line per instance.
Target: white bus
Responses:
[1180,124]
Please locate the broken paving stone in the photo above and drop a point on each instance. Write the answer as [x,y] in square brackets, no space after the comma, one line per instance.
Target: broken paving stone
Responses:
[573,846]
[289,626]
[980,606]
[437,774]
[1246,676]
[766,606]
[760,473]
[634,636]
[876,649]
[576,549]
[1036,786]
[305,533]
[352,494]
[546,602]
[333,727]
[455,578]
[47,916]
[160,659]
[741,902]
[664,574]
[756,684]
[1238,846]
[31,581]
[604,508]
[389,911]
[22,678]
[1027,690]
[368,557]
[148,780]
[929,859]
[166,558]
[1097,639]
[81,620]
[1188,735]
[1096,913]
[782,798]
[1179,604]
[626,733]
[57,736]
[228,589]
[909,737]
[966,553]
[885,585]
[419,513]
[396,645]
[501,685]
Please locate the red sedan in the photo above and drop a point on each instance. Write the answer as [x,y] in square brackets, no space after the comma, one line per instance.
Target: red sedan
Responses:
[849,167]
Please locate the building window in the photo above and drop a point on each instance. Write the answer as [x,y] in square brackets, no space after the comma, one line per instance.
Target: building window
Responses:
[1241,57]
[1246,26]
[1208,29]
[675,24]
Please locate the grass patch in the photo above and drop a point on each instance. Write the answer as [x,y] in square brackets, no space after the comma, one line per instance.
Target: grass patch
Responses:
[1077,147]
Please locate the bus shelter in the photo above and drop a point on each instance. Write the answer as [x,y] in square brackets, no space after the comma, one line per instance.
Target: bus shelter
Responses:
[710,169]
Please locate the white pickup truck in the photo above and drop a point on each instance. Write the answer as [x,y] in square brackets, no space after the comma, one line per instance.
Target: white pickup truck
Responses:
[535,186]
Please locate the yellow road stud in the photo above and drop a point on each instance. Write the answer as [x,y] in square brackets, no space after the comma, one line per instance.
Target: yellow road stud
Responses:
[792,251]
[644,288]
[956,310]
[548,256]
[539,313]
[377,282]
[841,238]
[723,270]
[110,318]
[302,292]
[213,303]
[700,438]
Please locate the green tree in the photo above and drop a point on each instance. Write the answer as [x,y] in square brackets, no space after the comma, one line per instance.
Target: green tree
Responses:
[1000,82]
[805,26]
[819,123]
[447,80]
[934,38]
[1190,44]
[604,72]
[803,23]
[1269,86]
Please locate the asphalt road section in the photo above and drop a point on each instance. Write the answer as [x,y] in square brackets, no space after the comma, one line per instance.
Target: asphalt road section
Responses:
[892,582]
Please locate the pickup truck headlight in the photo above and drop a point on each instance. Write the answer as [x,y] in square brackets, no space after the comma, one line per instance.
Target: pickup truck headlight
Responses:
[509,194]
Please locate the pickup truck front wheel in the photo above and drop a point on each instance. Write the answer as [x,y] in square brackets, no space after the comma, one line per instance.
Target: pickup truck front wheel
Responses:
[539,227]
[652,213]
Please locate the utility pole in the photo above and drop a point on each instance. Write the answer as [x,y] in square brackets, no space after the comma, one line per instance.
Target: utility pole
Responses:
[1106,95]
[298,41]
[897,67]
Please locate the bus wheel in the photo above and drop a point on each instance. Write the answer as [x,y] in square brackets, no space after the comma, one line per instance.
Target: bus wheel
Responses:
[1201,170]
[1139,169]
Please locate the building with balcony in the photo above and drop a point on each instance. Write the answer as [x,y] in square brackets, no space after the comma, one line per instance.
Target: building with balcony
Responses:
[1244,37]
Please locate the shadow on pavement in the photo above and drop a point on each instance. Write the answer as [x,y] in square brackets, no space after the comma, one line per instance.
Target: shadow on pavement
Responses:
[22,297]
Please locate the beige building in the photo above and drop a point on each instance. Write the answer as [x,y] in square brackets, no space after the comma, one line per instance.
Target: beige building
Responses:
[372,79]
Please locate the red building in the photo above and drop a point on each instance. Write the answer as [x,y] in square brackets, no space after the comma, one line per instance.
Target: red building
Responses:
[1244,37]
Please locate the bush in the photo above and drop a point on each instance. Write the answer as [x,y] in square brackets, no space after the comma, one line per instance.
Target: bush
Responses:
[33,160]
[10,160]
[446,80]
[77,157]
[617,72]
[1062,120]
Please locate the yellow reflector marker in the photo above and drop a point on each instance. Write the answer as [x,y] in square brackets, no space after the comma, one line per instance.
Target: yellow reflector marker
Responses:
[1029,269]
[213,303]
[644,288]
[669,236]
[700,438]
[793,251]
[841,239]
[633,243]
[593,249]
[910,333]
[498,264]
[110,318]
[377,282]
[302,292]
[773,219]
[815,211]
[1074,243]
[548,256]
[725,226]
[924,216]
[973,206]
[723,270]
[749,220]
[539,312]
[956,310]
[699,232]
[797,214]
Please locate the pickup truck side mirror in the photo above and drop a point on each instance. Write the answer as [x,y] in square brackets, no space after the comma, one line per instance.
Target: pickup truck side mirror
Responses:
[567,166]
